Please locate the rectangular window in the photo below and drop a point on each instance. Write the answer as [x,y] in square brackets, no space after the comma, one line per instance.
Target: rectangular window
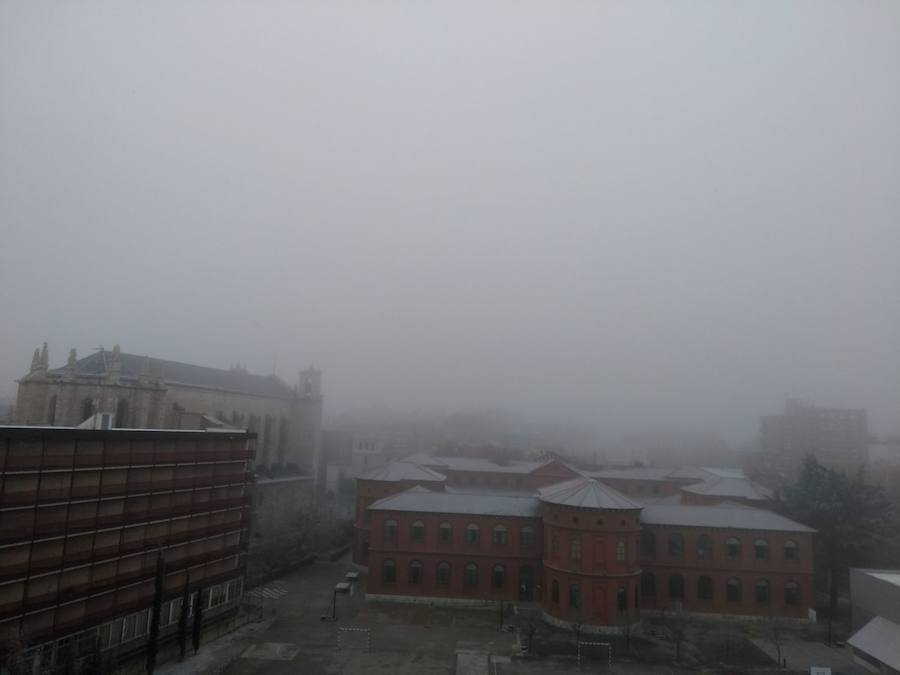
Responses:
[575,550]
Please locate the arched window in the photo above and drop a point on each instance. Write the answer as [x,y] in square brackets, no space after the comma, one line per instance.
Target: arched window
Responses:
[51,410]
[704,547]
[122,414]
[415,572]
[575,549]
[648,584]
[554,592]
[704,588]
[499,534]
[498,578]
[648,543]
[733,548]
[733,590]
[443,574]
[554,544]
[676,587]
[761,549]
[762,591]
[622,598]
[620,551]
[790,550]
[445,532]
[471,533]
[792,593]
[417,531]
[526,536]
[390,531]
[676,545]
[575,596]
[87,408]
[388,572]
[470,575]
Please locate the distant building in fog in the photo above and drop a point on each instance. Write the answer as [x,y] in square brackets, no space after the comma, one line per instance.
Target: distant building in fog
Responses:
[838,437]
[144,392]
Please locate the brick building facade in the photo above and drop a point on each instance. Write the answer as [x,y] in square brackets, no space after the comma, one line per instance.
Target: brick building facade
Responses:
[84,517]
[588,553]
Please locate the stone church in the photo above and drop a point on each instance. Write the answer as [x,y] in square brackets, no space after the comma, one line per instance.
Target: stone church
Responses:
[145,392]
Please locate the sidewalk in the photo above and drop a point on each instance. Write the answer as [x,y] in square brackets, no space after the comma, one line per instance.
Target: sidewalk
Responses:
[215,656]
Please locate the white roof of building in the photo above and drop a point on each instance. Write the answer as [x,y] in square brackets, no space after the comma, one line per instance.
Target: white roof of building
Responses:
[586,493]
[397,471]
[880,639]
[890,576]
[424,501]
[730,487]
[728,516]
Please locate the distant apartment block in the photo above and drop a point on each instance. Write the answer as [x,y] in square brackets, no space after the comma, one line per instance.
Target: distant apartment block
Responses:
[839,438]
[84,516]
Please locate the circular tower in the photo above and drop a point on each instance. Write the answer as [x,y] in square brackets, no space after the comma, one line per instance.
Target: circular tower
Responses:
[591,565]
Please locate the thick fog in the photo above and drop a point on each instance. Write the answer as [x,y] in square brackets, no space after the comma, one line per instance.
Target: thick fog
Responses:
[634,215]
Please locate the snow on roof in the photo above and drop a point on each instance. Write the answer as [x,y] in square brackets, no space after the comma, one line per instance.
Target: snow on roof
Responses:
[424,501]
[586,493]
[397,471]
[737,517]
[730,487]
[880,639]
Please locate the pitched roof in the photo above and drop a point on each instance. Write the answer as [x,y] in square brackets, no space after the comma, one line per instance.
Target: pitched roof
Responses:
[453,463]
[727,516]
[174,372]
[635,473]
[880,639]
[586,493]
[397,471]
[730,487]
[418,499]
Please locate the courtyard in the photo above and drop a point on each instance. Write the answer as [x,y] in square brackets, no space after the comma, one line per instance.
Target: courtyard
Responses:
[375,637]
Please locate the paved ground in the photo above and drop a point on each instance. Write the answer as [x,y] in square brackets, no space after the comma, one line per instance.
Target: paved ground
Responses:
[372,638]
[801,654]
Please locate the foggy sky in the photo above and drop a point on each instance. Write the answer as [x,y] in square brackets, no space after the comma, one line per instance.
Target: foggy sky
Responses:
[628,214]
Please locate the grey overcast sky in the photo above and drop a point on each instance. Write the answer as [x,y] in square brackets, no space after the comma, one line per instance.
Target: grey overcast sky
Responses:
[637,215]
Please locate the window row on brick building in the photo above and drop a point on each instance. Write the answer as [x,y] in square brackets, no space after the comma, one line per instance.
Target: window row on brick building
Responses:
[574,548]
[675,547]
[443,573]
[733,590]
[500,534]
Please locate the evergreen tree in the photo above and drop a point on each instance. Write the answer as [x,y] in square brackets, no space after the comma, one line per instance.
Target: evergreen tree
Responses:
[153,638]
[851,518]
[183,617]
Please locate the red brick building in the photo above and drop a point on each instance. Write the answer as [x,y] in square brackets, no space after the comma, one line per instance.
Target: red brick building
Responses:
[590,554]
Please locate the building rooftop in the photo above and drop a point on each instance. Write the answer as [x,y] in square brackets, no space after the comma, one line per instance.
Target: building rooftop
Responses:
[586,493]
[743,488]
[880,638]
[659,473]
[418,499]
[397,471]
[29,431]
[134,366]
[727,516]
[890,576]
[454,463]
